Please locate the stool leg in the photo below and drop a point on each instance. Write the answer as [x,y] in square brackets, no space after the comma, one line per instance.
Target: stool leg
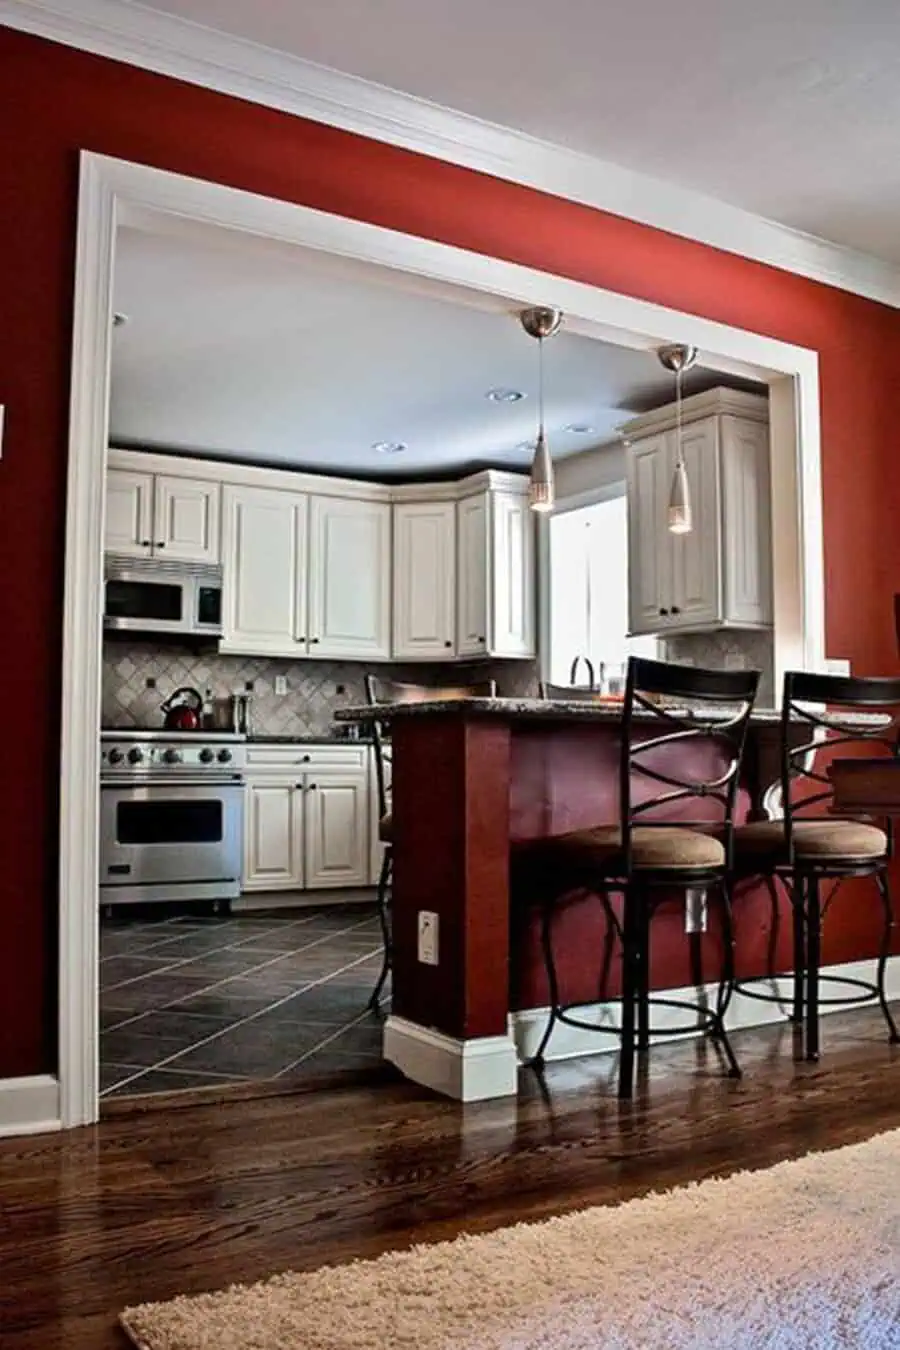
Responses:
[884,890]
[537,1060]
[630,985]
[643,979]
[384,881]
[726,983]
[798,907]
[813,958]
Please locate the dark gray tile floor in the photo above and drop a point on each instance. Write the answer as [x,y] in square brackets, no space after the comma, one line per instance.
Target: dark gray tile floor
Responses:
[189,1002]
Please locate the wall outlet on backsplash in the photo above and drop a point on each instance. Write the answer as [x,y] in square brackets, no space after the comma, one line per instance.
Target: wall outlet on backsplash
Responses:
[281,685]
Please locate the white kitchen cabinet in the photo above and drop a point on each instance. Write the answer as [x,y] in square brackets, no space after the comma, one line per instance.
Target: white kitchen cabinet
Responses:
[129,513]
[495,576]
[424,568]
[152,514]
[472,576]
[273,834]
[264,571]
[336,828]
[307,817]
[349,573]
[719,574]
[186,519]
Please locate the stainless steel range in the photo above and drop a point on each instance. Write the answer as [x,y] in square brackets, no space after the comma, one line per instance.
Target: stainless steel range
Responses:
[171,815]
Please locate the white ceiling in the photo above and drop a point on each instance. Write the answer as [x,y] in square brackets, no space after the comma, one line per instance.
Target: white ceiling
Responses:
[271,353]
[789,110]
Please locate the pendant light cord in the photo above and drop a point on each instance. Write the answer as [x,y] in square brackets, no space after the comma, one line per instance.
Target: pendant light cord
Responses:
[540,386]
[679,462]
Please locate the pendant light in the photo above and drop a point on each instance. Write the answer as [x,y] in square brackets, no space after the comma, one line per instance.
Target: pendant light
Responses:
[678,358]
[541,322]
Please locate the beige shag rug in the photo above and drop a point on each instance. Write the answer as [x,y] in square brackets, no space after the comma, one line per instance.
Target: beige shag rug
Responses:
[804,1256]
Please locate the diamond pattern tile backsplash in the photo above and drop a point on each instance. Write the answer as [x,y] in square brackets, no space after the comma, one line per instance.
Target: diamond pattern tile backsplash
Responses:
[730,649]
[306,709]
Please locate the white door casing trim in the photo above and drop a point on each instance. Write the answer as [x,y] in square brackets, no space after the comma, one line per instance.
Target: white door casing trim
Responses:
[111,191]
[172,46]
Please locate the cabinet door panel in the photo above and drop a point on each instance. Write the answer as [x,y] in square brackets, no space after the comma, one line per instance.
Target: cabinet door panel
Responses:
[747,539]
[273,847]
[511,541]
[264,550]
[336,810]
[695,594]
[129,513]
[186,520]
[649,547]
[349,578]
[424,580]
[472,576]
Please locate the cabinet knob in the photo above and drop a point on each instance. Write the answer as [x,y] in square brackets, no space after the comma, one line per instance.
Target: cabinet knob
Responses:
[301,639]
[481,639]
[663,611]
[313,639]
[448,643]
[160,543]
[305,759]
[145,543]
[675,609]
[311,787]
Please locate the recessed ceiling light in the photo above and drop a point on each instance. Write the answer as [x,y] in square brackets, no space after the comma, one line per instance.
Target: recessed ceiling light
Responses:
[502,395]
[580,429]
[390,447]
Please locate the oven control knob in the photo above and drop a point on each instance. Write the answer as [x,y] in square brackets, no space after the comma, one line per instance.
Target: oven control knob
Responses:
[206,756]
[115,756]
[136,755]
[224,756]
[171,756]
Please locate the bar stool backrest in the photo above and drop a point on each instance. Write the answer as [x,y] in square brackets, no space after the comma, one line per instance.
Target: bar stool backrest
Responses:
[816,703]
[675,716]
[379,690]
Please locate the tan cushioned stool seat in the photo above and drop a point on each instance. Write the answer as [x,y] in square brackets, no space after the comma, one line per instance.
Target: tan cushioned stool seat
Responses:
[816,840]
[386,827]
[651,847]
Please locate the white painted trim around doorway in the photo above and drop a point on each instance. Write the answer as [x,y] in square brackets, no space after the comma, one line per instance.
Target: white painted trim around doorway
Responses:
[171,45]
[112,192]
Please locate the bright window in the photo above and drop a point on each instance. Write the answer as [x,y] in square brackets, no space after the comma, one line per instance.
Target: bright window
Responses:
[589,591]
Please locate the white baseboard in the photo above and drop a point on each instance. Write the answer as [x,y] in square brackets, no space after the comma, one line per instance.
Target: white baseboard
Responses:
[252,901]
[29,1105]
[526,1028]
[468,1071]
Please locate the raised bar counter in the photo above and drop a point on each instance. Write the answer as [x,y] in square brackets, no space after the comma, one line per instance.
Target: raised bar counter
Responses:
[475,783]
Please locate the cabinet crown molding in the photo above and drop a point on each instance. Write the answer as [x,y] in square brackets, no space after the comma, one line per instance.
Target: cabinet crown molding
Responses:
[231,474]
[753,407]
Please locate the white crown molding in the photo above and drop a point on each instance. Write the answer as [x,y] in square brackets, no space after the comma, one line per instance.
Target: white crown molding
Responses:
[170,46]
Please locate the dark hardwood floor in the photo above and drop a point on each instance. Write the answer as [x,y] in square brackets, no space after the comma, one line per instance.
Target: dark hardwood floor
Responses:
[157,1202]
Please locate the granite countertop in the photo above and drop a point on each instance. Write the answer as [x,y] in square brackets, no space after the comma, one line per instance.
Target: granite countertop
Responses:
[557,710]
[324,738]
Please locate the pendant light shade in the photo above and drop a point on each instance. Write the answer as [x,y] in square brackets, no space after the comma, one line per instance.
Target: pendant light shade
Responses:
[541,491]
[680,521]
[541,322]
[678,358]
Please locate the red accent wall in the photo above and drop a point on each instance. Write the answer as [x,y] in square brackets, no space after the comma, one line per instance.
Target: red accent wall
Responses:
[55,102]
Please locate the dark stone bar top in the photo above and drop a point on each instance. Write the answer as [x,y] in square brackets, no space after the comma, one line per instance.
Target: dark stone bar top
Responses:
[560,710]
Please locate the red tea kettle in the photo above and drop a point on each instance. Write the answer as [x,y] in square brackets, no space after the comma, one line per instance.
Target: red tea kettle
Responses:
[182,710]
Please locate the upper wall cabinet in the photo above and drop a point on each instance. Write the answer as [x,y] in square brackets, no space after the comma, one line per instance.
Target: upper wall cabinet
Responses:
[349,578]
[424,580]
[719,574]
[155,514]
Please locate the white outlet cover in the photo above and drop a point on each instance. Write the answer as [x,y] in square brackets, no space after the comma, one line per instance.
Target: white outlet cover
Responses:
[281,685]
[428,937]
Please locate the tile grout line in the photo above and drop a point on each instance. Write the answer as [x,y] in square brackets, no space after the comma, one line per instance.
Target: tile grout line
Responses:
[196,993]
[184,960]
[252,1017]
[335,1035]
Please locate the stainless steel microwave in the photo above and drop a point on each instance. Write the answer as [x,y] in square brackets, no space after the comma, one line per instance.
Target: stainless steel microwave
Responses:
[149,595]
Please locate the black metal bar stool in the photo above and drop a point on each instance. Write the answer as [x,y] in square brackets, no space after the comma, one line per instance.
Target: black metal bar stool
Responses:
[391,691]
[654,850]
[804,848]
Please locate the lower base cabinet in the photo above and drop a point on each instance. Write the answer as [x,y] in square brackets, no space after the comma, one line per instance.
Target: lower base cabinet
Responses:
[307,818]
